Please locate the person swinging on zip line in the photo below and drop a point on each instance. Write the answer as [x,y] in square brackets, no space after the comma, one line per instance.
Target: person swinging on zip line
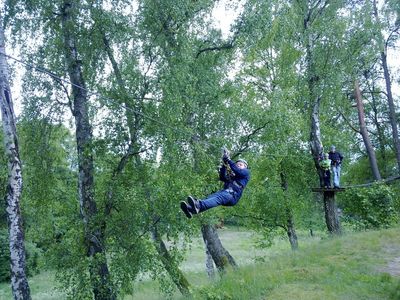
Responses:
[234,175]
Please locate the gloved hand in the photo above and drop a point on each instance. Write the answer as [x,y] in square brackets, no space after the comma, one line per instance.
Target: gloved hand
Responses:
[225,157]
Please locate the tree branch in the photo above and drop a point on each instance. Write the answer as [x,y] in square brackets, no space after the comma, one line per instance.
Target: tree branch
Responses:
[349,123]
[225,46]
[246,143]
[69,103]
[391,34]
[124,159]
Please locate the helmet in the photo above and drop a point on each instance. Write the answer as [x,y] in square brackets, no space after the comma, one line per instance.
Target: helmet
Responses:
[243,161]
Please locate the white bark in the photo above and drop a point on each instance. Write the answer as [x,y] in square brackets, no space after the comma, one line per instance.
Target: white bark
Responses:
[19,282]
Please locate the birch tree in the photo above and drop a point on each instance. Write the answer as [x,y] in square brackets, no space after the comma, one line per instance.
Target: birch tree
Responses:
[94,236]
[19,281]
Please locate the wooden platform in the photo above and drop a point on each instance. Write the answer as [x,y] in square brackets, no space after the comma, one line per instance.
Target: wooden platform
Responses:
[321,189]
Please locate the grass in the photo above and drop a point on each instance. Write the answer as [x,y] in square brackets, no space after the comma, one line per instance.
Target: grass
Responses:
[353,266]
[41,285]
[349,267]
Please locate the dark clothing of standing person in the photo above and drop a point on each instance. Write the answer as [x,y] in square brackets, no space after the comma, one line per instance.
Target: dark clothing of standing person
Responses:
[336,163]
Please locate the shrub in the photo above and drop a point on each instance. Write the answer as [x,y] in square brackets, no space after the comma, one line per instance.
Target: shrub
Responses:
[370,207]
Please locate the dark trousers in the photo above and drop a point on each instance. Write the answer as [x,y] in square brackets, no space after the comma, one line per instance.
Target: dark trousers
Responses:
[327,178]
[223,197]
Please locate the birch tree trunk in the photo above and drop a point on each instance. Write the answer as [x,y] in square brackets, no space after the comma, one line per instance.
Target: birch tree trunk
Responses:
[388,83]
[315,128]
[315,140]
[364,133]
[313,80]
[94,238]
[19,281]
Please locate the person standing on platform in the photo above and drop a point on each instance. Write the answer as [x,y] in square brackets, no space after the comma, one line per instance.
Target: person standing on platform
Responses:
[336,165]
[325,165]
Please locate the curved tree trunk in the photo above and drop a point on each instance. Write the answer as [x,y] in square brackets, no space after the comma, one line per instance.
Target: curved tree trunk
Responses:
[19,281]
[99,274]
[313,93]
[363,130]
[175,273]
[220,255]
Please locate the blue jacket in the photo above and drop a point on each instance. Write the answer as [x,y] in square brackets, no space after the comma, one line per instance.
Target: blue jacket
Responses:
[336,158]
[238,182]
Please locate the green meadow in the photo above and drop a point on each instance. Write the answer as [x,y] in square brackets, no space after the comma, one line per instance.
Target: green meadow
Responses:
[362,265]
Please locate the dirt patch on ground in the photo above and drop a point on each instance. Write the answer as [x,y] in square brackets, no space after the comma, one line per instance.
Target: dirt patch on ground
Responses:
[392,266]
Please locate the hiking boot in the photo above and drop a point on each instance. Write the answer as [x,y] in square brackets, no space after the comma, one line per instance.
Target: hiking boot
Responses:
[186,208]
[194,204]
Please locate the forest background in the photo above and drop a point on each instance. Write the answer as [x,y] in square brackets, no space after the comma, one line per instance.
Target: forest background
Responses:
[126,104]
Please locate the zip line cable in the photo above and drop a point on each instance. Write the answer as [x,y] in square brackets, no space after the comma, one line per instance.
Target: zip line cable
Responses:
[90,93]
